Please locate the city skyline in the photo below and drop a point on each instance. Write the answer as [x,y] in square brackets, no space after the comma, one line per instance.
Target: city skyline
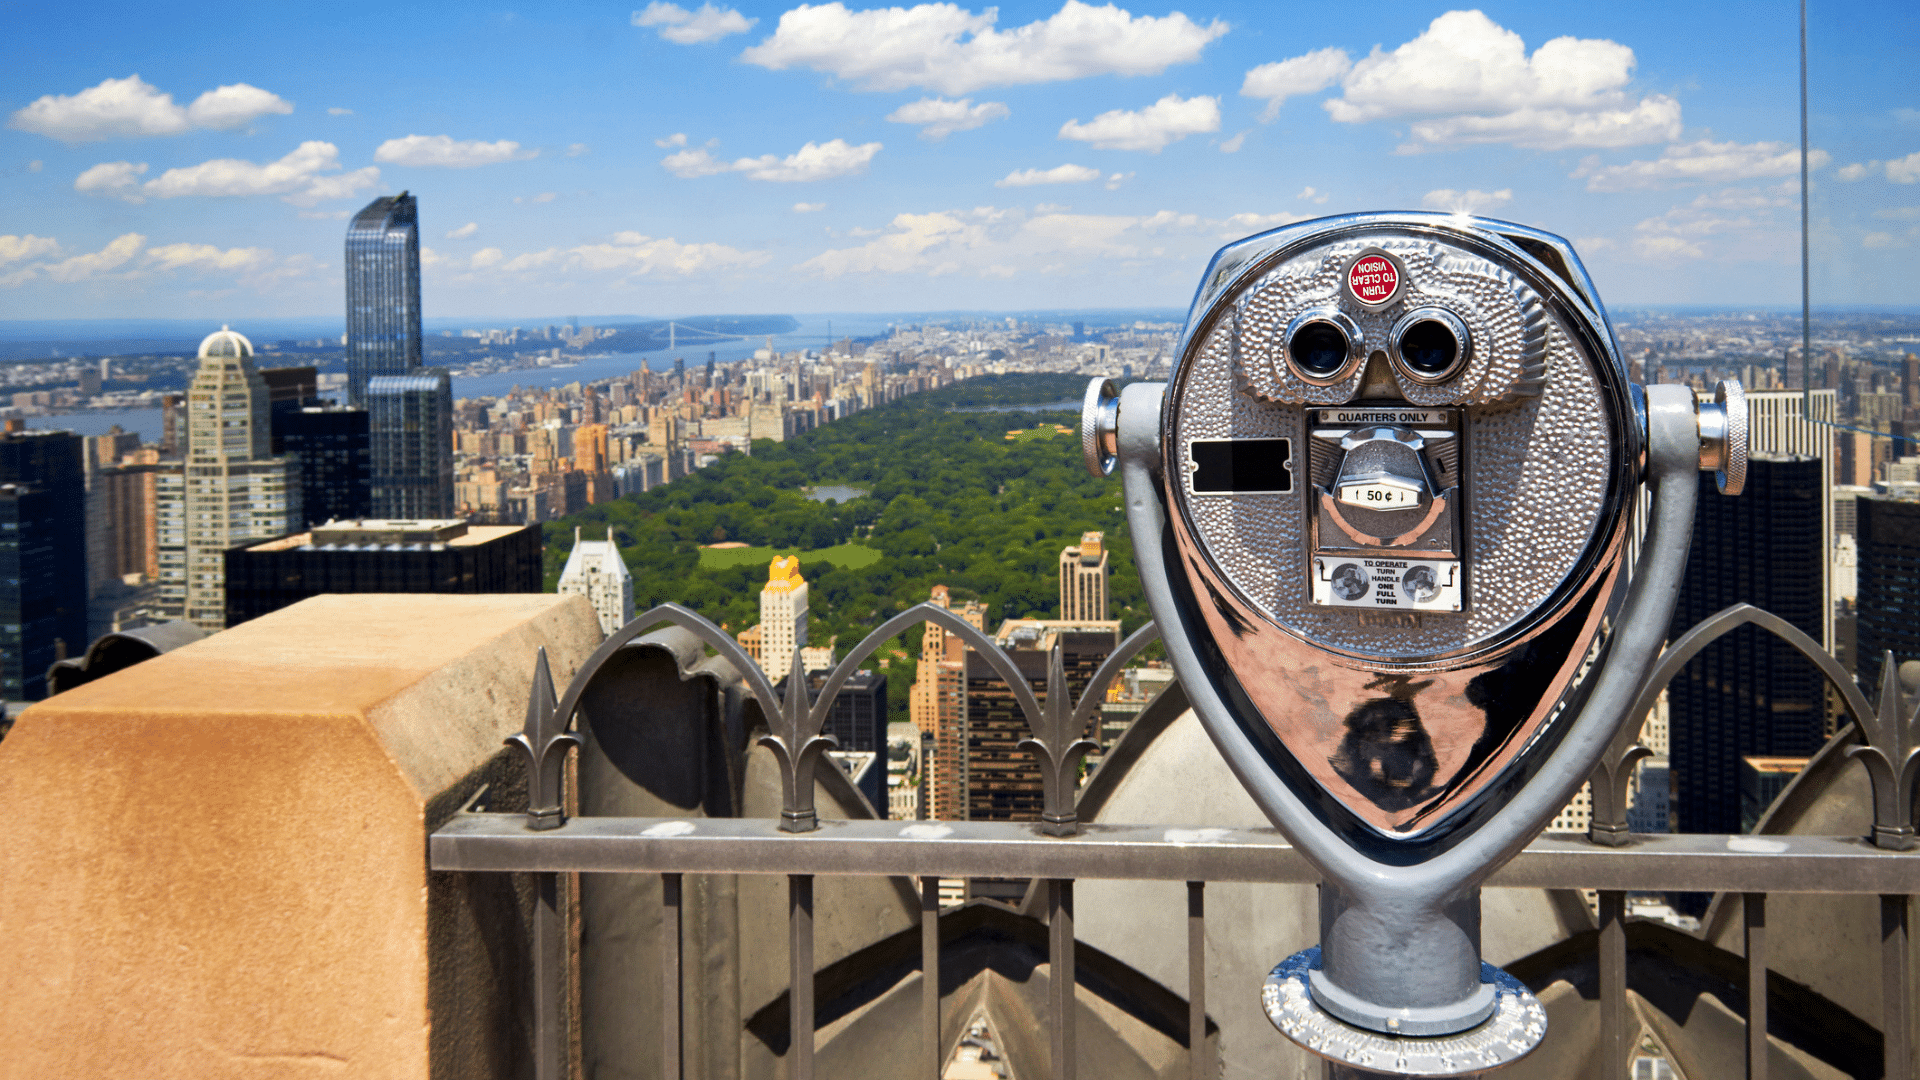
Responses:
[666,159]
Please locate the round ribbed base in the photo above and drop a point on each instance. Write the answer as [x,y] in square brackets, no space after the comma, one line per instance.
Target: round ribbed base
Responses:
[1517,1025]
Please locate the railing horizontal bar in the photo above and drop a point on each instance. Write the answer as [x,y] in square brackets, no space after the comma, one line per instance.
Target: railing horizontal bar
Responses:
[1651,863]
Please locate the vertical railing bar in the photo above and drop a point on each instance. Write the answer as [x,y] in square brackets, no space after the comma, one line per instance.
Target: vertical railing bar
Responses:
[1754,906]
[1615,1042]
[930,973]
[1061,976]
[549,974]
[670,977]
[1198,1063]
[800,974]
[1896,1005]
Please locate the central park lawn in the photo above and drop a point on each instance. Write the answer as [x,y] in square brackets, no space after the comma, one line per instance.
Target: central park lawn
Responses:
[952,502]
[845,556]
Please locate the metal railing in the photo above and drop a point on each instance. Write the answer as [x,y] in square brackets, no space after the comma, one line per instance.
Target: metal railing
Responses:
[1058,849]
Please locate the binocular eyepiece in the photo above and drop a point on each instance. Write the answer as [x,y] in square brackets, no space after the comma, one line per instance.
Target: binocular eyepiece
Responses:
[1427,345]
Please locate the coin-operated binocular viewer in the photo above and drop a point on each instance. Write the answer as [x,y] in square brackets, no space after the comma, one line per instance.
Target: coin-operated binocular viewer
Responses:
[1383,510]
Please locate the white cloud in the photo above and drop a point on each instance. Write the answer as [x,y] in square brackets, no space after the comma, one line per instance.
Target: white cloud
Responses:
[300,178]
[1150,129]
[1114,181]
[1467,80]
[17,248]
[692,164]
[814,161]
[206,257]
[1736,198]
[1059,174]
[1312,195]
[36,165]
[1904,170]
[824,161]
[116,254]
[235,106]
[117,179]
[442,151]
[994,243]
[625,254]
[338,111]
[678,138]
[577,149]
[132,107]
[950,50]
[1906,115]
[1705,161]
[464,231]
[1667,248]
[1881,240]
[1707,231]
[808,207]
[939,118]
[1471,201]
[543,197]
[1859,170]
[117,107]
[683,27]
[323,215]
[1239,225]
[904,249]
[1282,79]
[1232,146]
[1899,213]
[255,266]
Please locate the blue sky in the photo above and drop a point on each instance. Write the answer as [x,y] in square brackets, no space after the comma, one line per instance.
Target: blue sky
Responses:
[680,159]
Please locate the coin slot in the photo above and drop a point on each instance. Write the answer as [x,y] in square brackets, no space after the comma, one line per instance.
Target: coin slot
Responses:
[1241,466]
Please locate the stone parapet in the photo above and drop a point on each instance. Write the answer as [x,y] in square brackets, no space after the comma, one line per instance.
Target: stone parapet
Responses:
[217,864]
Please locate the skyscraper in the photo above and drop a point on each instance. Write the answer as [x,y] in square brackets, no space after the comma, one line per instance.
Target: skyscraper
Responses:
[1083,578]
[1793,422]
[43,556]
[383,292]
[333,448]
[1002,780]
[937,705]
[1749,693]
[232,488]
[596,571]
[783,614]
[1889,609]
[411,417]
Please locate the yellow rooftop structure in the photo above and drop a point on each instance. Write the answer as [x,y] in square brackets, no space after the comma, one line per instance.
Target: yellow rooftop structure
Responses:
[783,574]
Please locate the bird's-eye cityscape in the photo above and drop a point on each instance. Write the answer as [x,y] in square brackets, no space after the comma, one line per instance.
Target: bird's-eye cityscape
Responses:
[751,685]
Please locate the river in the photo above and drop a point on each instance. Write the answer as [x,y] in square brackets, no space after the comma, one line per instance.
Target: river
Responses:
[810,334]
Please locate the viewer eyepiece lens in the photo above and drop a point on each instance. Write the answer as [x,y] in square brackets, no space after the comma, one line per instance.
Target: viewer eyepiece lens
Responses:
[1429,347]
[1319,349]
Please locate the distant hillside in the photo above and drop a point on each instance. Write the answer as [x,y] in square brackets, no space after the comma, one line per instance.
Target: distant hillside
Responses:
[692,332]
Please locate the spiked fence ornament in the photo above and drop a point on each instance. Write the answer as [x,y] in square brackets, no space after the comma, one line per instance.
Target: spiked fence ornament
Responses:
[1892,760]
[544,739]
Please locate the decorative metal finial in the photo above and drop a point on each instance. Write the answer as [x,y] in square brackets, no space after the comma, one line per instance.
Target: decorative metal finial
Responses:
[1892,760]
[797,742]
[1059,747]
[544,739]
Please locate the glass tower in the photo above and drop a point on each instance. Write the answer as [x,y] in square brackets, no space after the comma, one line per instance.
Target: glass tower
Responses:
[412,422]
[383,293]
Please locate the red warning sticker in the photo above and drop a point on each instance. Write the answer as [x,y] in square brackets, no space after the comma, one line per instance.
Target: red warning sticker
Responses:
[1373,279]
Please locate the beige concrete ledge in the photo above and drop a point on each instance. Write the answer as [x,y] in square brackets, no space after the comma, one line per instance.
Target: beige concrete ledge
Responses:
[215,863]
